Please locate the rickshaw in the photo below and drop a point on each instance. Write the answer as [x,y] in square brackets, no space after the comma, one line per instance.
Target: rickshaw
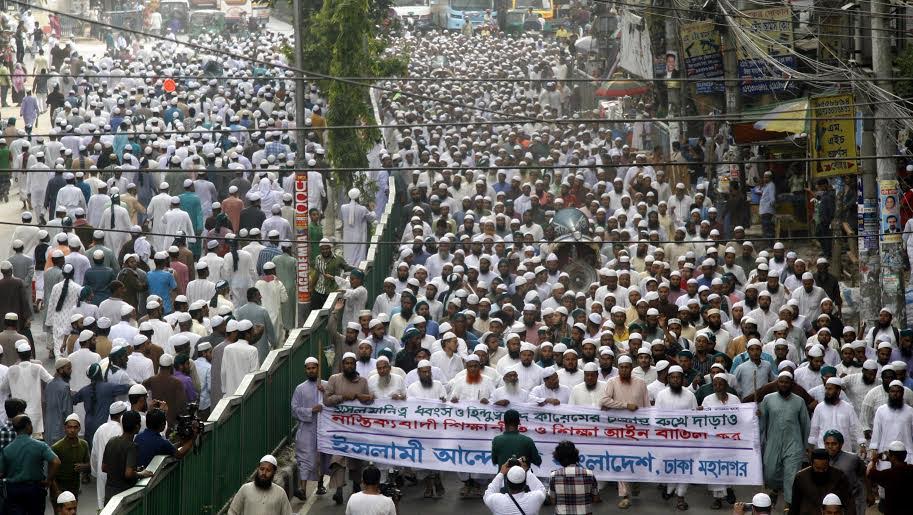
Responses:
[206,20]
[514,21]
[175,15]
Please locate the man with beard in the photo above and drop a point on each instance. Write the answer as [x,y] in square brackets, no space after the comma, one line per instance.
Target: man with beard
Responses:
[58,401]
[510,391]
[753,373]
[428,388]
[366,363]
[551,391]
[570,374]
[904,351]
[625,392]
[589,392]
[893,422]
[848,364]
[857,386]
[850,464]
[878,397]
[764,315]
[513,344]
[345,386]
[715,327]
[835,414]
[307,402]
[883,331]
[675,397]
[784,419]
[384,384]
[473,385]
[814,483]
[261,496]
[719,397]
[531,323]
[810,376]
[401,320]
[343,343]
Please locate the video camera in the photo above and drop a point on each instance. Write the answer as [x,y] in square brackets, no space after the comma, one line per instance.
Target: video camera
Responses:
[189,424]
[391,487]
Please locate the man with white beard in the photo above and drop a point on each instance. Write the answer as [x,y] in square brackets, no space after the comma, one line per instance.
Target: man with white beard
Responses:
[835,413]
[678,398]
[589,392]
[720,397]
[385,385]
[510,392]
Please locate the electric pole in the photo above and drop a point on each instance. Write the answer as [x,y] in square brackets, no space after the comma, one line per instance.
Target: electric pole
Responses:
[891,274]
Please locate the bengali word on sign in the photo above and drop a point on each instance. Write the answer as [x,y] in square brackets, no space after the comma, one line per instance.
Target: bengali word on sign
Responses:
[719,445]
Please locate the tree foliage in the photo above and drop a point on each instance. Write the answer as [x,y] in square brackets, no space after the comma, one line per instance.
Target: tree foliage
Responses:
[344,40]
[904,63]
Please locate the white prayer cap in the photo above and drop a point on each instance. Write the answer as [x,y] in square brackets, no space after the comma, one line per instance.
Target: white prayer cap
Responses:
[67,496]
[527,347]
[121,406]
[807,276]
[884,345]
[870,364]
[353,326]
[547,372]
[269,458]
[60,363]
[753,341]
[152,304]
[137,389]
[72,417]
[423,364]
[780,326]
[761,500]
[75,317]
[311,359]
[896,446]
[591,367]
[835,381]
[516,475]
[471,357]
[899,365]
[816,352]
[895,382]
[625,359]
[785,373]
[786,364]
[166,360]
[23,346]
[348,355]
[661,365]
[606,350]
[11,317]
[203,347]
[85,335]
[675,369]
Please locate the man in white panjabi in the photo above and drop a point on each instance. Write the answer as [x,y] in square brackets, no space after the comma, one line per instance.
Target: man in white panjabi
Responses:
[677,397]
[355,220]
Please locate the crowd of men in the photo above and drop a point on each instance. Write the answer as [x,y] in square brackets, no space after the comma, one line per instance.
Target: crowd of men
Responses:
[152,266]
[684,311]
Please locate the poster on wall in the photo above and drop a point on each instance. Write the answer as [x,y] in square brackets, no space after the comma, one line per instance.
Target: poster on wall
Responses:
[770,32]
[832,136]
[702,56]
[889,211]
[635,55]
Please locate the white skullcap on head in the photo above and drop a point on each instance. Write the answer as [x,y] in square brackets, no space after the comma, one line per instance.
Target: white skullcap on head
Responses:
[835,381]
[471,357]
[785,373]
[884,345]
[761,500]
[72,417]
[310,360]
[348,355]
[591,367]
[269,458]
[895,382]
[870,364]
[786,363]
[816,352]
[516,475]
[897,446]
[675,369]
[423,364]
[66,496]
[624,359]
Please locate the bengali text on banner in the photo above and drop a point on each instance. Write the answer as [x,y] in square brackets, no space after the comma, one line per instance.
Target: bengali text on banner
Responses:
[712,446]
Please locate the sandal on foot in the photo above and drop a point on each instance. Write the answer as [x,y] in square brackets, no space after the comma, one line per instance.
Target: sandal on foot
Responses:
[681,505]
[717,504]
[624,503]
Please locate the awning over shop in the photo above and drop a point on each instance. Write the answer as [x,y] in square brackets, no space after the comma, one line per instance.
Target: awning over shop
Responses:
[772,122]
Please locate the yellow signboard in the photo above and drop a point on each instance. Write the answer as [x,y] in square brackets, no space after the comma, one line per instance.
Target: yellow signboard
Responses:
[832,136]
[770,30]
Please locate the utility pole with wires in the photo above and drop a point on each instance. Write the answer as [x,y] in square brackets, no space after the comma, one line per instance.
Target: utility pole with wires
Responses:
[890,276]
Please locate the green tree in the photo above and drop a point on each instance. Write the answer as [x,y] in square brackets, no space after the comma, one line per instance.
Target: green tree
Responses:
[344,41]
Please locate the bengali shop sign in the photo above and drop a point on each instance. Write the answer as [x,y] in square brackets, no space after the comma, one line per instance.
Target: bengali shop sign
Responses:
[301,235]
[703,59]
[712,446]
[832,138]
[770,32]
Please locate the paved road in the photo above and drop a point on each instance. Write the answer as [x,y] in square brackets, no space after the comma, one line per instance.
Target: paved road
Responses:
[648,503]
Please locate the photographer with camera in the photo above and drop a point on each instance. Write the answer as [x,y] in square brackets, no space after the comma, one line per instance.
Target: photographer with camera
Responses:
[150,443]
[514,491]
[760,505]
[370,500]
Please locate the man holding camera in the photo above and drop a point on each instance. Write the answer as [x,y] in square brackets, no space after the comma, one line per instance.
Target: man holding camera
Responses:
[895,480]
[760,505]
[370,500]
[513,491]
[150,442]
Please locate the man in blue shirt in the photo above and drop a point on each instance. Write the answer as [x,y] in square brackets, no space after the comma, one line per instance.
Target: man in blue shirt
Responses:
[162,283]
[150,443]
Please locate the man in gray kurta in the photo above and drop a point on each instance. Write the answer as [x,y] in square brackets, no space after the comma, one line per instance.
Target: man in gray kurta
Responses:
[307,402]
[261,496]
[258,316]
[287,272]
[58,401]
[785,424]
[345,386]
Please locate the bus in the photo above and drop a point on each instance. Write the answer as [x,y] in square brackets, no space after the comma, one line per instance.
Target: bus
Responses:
[544,8]
[413,12]
[243,10]
[451,14]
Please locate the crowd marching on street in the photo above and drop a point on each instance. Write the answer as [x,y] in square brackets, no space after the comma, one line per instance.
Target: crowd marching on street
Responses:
[153,267]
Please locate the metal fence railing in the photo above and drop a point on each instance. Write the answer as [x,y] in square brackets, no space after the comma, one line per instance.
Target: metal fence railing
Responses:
[257,419]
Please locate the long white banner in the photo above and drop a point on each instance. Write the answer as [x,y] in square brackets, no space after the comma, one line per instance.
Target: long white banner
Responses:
[712,446]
